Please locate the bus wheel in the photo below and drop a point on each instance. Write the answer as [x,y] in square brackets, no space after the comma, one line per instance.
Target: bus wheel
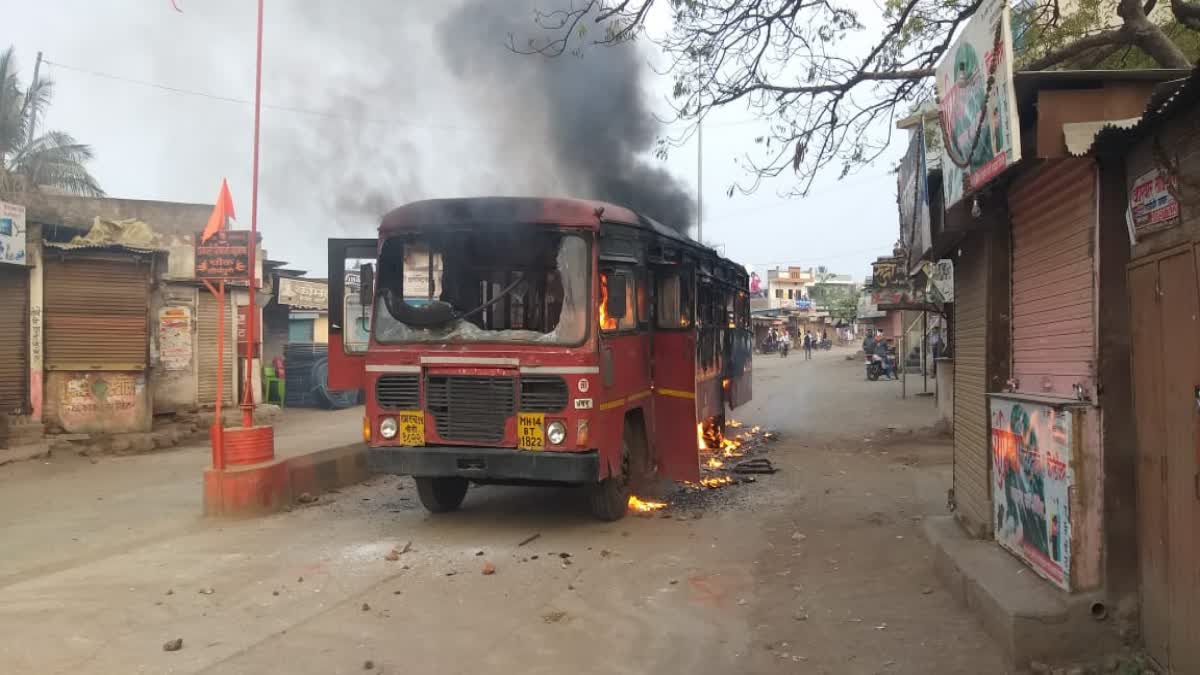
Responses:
[610,497]
[440,495]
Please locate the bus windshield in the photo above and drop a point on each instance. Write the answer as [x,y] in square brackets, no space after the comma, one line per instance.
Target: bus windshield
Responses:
[516,284]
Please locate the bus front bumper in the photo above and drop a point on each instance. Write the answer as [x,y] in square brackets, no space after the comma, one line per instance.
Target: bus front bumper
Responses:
[496,464]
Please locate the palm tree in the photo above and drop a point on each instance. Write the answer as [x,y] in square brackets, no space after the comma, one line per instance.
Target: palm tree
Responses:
[31,159]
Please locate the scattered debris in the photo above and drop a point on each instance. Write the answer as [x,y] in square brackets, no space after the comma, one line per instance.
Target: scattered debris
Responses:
[756,465]
[397,592]
[366,607]
[451,573]
[742,601]
[478,553]
[368,665]
[673,581]
[488,569]
[170,591]
[797,536]
[530,539]
[173,645]
[300,580]
[274,592]
[927,590]
[392,555]
[604,553]
[800,615]
[407,547]
[306,498]
[553,617]
[206,591]
[533,557]
[564,556]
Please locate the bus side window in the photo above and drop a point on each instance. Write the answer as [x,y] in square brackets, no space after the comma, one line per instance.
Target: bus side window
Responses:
[643,301]
[674,302]
[629,320]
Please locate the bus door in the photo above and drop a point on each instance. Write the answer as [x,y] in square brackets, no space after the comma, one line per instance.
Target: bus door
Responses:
[351,270]
[674,373]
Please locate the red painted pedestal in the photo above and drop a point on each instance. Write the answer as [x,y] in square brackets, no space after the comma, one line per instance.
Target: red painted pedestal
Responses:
[252,480]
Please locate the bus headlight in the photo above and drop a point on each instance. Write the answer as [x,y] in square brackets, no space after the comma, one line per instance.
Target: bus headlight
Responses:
[388,428]
[556,433]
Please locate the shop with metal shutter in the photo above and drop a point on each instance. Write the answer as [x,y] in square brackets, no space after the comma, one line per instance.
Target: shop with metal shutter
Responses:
[1053,279]
[206,347]
[1045,421]
[96,341]
[972,493]
[14,342]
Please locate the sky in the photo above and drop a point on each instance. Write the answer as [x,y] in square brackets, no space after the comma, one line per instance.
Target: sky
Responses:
[368,106]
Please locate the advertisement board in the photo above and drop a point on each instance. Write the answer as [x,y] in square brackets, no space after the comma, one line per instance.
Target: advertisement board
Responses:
[1033,470]
[12,234]
[306,293]
[977,105]
[1152,202]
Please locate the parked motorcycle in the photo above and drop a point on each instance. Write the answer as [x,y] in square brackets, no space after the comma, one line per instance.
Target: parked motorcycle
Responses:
[825,344]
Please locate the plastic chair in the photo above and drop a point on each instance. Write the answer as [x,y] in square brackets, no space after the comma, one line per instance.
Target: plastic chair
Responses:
[272,385]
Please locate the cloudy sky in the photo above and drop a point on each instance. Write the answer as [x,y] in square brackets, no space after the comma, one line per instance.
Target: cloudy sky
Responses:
[374,103]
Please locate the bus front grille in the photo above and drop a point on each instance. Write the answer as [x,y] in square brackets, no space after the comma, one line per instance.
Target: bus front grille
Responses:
[470,407]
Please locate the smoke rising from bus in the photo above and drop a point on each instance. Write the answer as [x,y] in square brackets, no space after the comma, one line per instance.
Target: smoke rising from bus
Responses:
[597,128]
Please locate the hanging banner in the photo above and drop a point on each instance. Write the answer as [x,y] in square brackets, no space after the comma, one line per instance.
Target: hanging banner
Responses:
[1152,202]
[977,105]
[913,197]
[224,257]
[1032,467]
[12,233]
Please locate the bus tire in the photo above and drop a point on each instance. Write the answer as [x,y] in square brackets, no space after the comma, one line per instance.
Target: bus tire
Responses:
[441,495]
[610,497]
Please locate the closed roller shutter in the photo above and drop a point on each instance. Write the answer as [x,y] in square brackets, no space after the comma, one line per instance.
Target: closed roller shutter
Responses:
[14,345]
[1053,291]
[971,433]
[96,314]
[206,330]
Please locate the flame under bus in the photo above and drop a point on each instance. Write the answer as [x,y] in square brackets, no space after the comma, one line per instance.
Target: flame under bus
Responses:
[522,340]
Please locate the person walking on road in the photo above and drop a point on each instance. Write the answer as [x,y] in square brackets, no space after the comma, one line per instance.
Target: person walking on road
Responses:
[808,345]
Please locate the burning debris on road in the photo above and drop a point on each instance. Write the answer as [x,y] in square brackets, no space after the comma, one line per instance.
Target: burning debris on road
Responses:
[716,471]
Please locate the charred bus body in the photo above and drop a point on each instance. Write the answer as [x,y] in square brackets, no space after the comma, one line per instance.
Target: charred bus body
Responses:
[524,340]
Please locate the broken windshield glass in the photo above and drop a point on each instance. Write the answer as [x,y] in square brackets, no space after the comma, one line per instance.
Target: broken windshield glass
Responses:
[518,284]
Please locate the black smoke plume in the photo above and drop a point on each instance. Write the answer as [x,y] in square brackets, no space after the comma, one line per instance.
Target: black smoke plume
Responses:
[579,124]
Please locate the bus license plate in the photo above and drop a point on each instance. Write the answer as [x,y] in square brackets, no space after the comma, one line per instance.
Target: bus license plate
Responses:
[412,428]
[531,431]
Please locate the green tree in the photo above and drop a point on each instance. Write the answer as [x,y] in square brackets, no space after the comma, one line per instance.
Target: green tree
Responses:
[830,97]
[31,158]
[844,309]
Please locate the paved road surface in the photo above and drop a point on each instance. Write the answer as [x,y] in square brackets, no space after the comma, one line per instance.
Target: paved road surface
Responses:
[817,569]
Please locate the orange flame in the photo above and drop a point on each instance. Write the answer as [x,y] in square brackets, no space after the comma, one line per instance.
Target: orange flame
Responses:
[644,505]
[715,481]
[733,424]
[714,463]
[606,321]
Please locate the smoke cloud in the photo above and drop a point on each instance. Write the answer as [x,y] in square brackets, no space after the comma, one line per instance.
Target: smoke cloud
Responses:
[581,125]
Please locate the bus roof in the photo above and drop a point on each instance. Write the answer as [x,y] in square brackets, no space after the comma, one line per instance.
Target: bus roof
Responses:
[500,211]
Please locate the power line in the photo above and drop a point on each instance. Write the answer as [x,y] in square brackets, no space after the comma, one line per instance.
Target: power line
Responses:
[241,101]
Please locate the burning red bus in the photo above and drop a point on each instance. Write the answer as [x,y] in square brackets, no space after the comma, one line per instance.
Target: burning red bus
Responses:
[536,341]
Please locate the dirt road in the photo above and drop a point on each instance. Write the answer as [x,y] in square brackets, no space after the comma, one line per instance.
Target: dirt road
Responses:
[818,569]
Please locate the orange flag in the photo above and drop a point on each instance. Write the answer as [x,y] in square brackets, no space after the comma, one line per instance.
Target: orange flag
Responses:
[221,213]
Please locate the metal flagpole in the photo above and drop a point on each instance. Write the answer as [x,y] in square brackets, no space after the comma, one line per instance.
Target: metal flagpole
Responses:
[248,393]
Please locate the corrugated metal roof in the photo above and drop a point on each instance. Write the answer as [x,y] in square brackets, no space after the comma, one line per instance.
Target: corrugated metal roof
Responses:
[1169,99]
[1081,135]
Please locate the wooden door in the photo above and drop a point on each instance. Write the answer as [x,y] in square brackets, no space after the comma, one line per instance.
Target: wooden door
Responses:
[1151,465]
[1165,293]
[1181,376]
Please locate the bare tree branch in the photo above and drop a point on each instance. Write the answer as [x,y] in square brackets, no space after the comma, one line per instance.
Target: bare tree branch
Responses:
[1188,13]
[826,97]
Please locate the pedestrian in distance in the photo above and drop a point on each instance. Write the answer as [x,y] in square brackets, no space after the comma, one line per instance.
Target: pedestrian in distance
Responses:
[808,346]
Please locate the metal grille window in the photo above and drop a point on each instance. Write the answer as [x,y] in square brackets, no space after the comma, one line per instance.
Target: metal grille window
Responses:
[398,392]
[543,393]
[470,408]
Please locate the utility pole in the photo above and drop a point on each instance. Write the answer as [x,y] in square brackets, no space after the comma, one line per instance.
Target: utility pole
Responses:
[700,179]
[248,391]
